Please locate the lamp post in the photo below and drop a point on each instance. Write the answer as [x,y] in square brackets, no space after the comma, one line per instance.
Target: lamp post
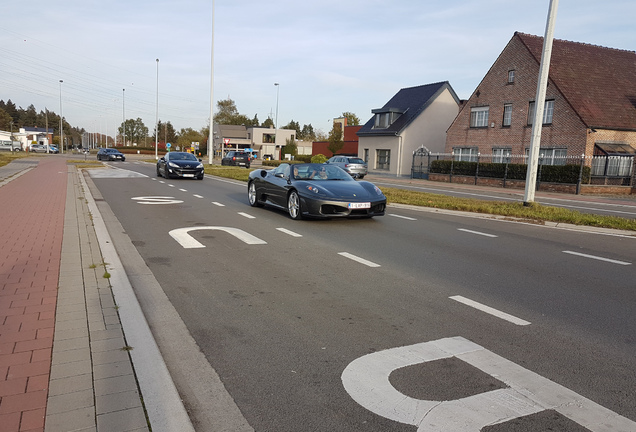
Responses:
[276,121]
[123,116]
[157,114]
[61,130]
[211,132]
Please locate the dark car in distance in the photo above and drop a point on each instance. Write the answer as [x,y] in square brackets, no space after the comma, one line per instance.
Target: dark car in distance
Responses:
[180,164]
[237,158]
[110,154]
[315,190]
[355,166]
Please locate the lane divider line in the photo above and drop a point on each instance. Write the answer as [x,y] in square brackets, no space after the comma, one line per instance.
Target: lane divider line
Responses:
[476,232]
[597,258]
[358,259]
[291,233]
[491,311]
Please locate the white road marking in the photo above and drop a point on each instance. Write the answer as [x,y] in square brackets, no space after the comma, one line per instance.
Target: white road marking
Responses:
[171,185]
[491,311]
[156,200]
[218,204]
[197,196]
[366,379]
[249,216]
[291,233]
[183,237]
[402,217]
[115,172]
[161,181]
[358,259]
[477,232]
[183,190]
[598,258]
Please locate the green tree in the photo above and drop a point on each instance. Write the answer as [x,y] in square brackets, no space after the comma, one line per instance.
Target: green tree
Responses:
[135,130]
[307,133]
[228,114]
[187,136]
[268,123]
[290,147]
[29,117]
[167,134]
[5,120]
[292,125]
[335,139]
[352,119]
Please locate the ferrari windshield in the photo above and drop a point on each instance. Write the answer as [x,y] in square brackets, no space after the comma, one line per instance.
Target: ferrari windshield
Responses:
[319,172]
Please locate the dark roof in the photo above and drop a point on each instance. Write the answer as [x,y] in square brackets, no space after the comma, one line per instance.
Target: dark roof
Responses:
[598,82]
[410,102]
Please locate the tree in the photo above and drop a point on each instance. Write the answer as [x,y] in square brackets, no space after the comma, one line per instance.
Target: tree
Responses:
[268,123]
[290,147]
[29,117]
[167,133]
[135,130]
[187,136]
[228,114]
[352,119]
[307,133]
[5,120]
[335,139]
[293,126]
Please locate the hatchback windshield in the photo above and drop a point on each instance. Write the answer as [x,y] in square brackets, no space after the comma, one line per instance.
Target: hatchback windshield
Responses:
[356,161]
[182,156]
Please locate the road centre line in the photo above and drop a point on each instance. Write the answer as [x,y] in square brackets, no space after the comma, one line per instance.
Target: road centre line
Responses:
[477,232]
[598,258]
[197,196]
[291,233]
[183,190]
[247,215]
[489,310]
[171,185]
[218,204]
[358,259]
[402,217]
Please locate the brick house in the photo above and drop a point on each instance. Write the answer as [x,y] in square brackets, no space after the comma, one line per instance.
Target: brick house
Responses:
[414,117]
[349,141]
[590,106]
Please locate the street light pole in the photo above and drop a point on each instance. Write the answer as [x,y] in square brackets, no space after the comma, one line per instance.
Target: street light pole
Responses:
[157,114]
[211,134]
[61,130]
[276,121]
[123,116]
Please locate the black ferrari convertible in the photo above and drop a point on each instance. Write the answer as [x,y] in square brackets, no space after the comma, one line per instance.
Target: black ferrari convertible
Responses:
[315,190]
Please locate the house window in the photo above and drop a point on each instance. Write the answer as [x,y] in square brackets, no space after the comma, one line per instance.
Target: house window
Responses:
[465,154]
[383,158]
[381,121]
[511,76]
[548,112]
[366,156]
[501,154]
[550,156]
[479,117]
[507,115]
[268,138]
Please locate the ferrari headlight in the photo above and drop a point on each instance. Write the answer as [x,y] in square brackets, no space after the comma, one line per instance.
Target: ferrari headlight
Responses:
[377,190]
[313,189]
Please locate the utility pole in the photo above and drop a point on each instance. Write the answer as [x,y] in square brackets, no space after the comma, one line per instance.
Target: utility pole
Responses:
[211,134]
[539,102]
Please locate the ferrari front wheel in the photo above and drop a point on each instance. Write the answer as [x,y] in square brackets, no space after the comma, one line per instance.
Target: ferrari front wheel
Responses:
[293,205]
[252,196]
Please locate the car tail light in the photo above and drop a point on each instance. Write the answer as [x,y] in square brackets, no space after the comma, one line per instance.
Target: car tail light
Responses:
[233,157]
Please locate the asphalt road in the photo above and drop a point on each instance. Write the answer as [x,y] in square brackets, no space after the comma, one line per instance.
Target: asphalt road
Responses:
[339,325]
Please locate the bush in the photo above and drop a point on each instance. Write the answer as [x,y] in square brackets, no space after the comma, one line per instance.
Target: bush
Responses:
[319,158]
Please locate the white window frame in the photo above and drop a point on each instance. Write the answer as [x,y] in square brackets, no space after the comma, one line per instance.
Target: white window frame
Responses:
[507,115]
[511,76]
[383,159]
[548,112]
[501,155]
[479,116]
[465,154]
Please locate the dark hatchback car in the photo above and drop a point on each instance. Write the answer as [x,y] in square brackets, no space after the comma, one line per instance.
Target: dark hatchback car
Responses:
[180,164]
[237,158]
[110,154]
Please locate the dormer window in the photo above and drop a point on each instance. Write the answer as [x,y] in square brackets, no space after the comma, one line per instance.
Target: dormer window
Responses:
[385,117]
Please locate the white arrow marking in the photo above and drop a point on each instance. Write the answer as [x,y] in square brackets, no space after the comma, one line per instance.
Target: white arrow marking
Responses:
[183,237]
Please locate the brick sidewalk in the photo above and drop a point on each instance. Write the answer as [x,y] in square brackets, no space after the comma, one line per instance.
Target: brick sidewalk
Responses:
[31,235]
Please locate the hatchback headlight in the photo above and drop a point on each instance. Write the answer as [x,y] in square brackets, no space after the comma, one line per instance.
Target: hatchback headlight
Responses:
[200,166]
[173,165]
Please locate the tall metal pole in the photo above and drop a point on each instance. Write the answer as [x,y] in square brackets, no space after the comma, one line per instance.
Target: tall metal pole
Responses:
[211,135]
[123,116]
[157,114]
[61,126]
[539,101]
[276,121]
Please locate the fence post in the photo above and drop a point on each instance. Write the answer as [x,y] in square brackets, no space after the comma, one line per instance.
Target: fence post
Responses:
[477,169]
[452,161]
[578,184]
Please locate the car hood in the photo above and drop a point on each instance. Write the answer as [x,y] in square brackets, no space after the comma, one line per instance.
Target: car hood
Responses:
[186,163]
[343,190]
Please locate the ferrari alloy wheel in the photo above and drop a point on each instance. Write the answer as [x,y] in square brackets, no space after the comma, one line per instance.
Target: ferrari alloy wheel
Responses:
[293,205]
[251,195]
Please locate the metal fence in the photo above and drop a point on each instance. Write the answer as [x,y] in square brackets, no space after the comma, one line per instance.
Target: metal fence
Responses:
[603,170]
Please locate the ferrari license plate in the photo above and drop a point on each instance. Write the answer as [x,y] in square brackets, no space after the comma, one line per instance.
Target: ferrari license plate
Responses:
[362,205]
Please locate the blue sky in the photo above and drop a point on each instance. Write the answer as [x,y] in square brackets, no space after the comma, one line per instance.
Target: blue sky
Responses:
[328,56]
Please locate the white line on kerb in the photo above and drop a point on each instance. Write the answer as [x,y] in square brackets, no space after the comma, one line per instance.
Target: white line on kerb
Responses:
[598,258]
[247,215]
[476,232]
[218,204]
[402,217]
[358,259]
[291,233]
[491,311]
